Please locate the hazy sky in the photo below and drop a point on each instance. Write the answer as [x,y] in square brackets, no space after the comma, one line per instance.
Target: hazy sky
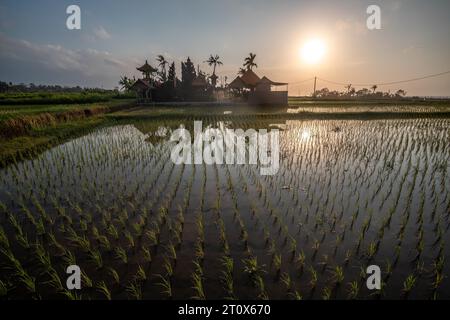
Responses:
[117,36]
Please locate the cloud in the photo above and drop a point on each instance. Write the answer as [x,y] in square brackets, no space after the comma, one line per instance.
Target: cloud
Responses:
[101,34]
[58,63]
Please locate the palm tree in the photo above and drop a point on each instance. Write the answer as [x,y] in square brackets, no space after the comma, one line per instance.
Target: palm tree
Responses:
[162,64]
[214,61]
[249,62]
[241,71]
[126,83]
[348,87]
[374,87]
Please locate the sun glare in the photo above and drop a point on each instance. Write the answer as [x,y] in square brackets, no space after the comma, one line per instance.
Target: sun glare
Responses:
[306,134]
[313,51]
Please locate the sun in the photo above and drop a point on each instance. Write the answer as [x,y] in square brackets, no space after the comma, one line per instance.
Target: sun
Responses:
[313,51]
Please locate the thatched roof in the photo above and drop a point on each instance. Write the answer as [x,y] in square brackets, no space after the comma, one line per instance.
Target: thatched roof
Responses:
[267,81]
[250,78]
[141,85]
[146,68]
[237,84]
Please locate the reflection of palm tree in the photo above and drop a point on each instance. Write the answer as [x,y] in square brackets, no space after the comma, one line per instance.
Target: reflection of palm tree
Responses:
[162,64]
[214,61]
[249,62]
[374,87]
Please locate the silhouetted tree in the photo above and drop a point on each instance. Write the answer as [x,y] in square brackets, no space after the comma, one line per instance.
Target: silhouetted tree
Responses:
[348,87]
[172,76]
[188,73]
[126,83]
[214,61]
[249,62]
[162,64]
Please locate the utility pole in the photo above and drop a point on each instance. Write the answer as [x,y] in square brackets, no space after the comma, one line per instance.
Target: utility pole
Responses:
[315,80]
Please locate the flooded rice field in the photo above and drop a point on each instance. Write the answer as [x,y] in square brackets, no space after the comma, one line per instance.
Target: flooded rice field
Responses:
[348,194]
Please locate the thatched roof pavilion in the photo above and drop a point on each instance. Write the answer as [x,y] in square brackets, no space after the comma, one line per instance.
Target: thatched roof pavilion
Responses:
[146,70]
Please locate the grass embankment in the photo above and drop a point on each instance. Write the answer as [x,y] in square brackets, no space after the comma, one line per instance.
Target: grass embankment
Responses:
[43,98]
[28,130]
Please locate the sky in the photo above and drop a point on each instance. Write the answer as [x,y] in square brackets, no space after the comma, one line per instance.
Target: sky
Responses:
[117,36]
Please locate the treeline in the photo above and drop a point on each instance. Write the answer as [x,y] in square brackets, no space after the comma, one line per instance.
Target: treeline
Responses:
[9,87]
[363,93]
[23,94]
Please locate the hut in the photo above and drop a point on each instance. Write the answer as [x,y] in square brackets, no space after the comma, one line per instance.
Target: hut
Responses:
[143,89]
[259,91]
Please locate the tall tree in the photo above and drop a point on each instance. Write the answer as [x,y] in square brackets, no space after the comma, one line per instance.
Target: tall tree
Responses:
[162,64]
[172,76]
[214,61]
[188,73]
[348,87]
[249,62]
[374,87]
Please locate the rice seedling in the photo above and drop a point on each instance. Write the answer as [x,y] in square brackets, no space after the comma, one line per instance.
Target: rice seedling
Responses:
[171,252]
[353,290]
[300,261]
[95,257]
[140,275]
[409,284]
[114,275]
[166,286]
[24,279]
[152,237]
[286,280]
[296,295]
[4,242]
[134,290]
[121,254]
[146,255]
[4,288]
[103,289]
[314,277]
[252,268]
[54,281]
[326,293]
[167,266]
[86,281]
[227,276]
[197,285]
[276,262]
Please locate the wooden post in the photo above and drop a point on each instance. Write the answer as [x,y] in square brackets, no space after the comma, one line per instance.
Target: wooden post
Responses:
[315,80]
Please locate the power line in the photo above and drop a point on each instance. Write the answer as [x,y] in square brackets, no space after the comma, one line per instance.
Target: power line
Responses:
[375,83]
[387,83]
[301,81]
